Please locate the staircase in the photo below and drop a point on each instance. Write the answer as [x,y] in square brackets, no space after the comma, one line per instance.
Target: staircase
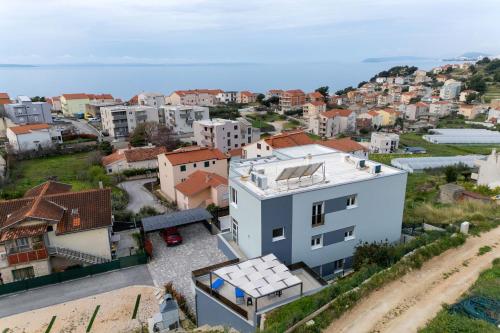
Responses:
[76,255]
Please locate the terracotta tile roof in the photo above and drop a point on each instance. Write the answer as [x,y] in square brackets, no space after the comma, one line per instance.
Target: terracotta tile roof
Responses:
[235,152]
[373,113]
[143,154]
[199,181]
[4,98]
[25,129]
[345,144]
[76,96]
[289,139]
[316,103]
[134,100]
[422,104]
[337,112]
[275,91]
[194,155]
[25,231]
[102,96]
[198,91]
[4,95]
[315,94]
[246,93]
[92,206]
[53,187]
[113,158]
[294,92]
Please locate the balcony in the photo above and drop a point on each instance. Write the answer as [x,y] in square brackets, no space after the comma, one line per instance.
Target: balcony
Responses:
[24,254]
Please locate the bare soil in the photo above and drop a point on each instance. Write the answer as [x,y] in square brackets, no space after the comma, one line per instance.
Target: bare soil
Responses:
[409,303]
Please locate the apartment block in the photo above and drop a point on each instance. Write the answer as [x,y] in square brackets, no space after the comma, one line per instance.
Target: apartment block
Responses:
[201,97]
[180,118]
[226,97]
[24,111]
[333,122]
[151,99]
[225,134]
[72,104]
[32,137]
[292,100]
[440,108]
[384,143]
[450,89]
[119,121]
[313,204]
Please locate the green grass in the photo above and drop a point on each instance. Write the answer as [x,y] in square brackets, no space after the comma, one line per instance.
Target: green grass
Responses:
[50,324]
[413,139]
[313,136]
[492,92]
[483,250]
[93,318]
[291,125]
[447,322]
[136,307]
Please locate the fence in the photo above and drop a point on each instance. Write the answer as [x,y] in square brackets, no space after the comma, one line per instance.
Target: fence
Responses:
[71,274]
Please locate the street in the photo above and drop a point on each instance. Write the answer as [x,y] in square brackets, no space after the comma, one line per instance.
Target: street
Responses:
[139,196]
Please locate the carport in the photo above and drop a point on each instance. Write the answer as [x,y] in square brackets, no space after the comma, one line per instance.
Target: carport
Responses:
[176,219]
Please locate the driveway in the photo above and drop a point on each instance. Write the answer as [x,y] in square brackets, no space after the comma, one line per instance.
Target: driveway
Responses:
[139,196]
[72,290]
[175,264]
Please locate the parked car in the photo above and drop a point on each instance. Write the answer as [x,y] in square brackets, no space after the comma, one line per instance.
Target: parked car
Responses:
[171,236]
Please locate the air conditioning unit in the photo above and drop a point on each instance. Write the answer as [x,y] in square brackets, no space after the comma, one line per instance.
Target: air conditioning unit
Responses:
[361,164]
[376,168]
[262,182]
[253,177]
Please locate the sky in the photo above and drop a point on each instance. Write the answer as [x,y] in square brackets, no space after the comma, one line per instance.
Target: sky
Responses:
[251,31]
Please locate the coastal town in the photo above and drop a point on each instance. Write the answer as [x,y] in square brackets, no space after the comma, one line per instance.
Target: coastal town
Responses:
[277,211]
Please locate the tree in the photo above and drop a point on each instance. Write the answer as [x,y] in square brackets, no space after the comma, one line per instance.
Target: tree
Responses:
[38,99]
[476,82]
[470,97]
[105,148]
[163,136]
[344,91]
[451,174]
[496,76]
[323,91]
[260,98]
[362,83]
[138,137]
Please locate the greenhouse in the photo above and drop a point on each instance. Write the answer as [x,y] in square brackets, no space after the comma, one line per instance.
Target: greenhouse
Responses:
[462,136]
[417,164]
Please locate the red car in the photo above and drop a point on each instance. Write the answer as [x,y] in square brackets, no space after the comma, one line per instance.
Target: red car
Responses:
[171,236]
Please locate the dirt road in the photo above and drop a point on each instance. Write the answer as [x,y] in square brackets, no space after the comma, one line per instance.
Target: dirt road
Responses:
[408,303]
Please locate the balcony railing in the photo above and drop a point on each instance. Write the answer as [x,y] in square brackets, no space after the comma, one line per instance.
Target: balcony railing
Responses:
[19,256]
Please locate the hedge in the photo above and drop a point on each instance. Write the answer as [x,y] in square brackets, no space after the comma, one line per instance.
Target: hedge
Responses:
[136,172]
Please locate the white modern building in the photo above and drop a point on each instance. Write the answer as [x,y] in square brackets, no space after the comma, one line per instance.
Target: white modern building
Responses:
[24,111]
[489,170]
[450,89]
[313,204]
[384,143]
[119,121]
[225,134]
[180,118]
[226,97]
[32,137]
[151,99]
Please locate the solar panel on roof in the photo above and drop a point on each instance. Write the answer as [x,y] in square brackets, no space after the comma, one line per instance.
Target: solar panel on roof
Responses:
[299,171]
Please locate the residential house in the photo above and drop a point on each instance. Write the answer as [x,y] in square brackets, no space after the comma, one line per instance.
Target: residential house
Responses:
[494,115]
[313,108]
[389,116]
[226,97]
[176,166]
[72,104]
[4,99]
[24,111]
[121,120]
[340,195]
[384,143]
[450,89]
[333,122]
[93,109]
[413,111]
[265,147]
[375,118]
[133,158]
[245,97]
[55,103]
[370,98]
[201,189]
[315,97]
[363,122]
[470,111]
[32,137]
[224,134]
[489,171]
[346,145]
[151,99]
[180,118]
[442,78]
[292,100]
[440,108]
[464,94]
[274,93]
[384,99]
[200,97]
[399,80]
[52,228]
[406,97]
[101,98]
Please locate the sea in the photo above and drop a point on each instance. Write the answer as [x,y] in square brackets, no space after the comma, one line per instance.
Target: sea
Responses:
[125,81]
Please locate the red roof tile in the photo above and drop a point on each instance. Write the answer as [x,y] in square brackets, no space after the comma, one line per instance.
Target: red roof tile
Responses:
[76,96]
[143,154]
[345,145]
[199,181]
[24,231]
[25,129]
[194,155]
[289,139]
[337,112]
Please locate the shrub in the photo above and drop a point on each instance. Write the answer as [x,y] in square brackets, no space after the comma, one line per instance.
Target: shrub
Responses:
[181,301]
[136,172]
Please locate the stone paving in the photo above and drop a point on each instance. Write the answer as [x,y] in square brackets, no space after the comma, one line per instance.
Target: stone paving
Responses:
[198,250]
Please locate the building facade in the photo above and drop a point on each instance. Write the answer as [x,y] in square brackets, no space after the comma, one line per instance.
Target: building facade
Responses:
[450,89]
[32,137]
[120,120]
[72,104]
[180,118]
[384,143]
[292,100]
[24,111]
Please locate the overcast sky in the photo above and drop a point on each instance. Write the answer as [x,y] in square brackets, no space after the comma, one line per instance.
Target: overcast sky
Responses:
[193,31]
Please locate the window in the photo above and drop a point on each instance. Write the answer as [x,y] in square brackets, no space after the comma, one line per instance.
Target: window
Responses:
[183,168]
[229,142]
[234,196]
[316,242]
[22,243]
[235,127]
[278,234]
[236,136]
[194,165]
[206,164]
[351,201]
[213,162]
[338,264]
[234,230]
[267,147]
[258,145]
[348,235]
[23,273]
[318,214]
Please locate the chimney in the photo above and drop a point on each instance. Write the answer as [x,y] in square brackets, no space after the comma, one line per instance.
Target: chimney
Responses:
[75,218]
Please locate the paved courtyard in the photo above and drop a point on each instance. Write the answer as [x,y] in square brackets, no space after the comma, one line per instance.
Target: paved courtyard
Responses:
[139,196]
[199,249]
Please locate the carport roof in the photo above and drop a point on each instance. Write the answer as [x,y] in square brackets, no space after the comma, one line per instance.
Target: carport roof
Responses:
[175,219]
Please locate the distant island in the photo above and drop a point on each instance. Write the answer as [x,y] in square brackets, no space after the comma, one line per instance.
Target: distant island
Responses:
[468,56]
[16,65]
[394,59]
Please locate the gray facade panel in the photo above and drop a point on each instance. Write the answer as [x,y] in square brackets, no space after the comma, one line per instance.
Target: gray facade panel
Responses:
[277,213]
[335,236]
[224,247]
[210,312]
[348,262]
[334,205]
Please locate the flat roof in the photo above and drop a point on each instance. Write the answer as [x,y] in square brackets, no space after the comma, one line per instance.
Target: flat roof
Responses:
[337,168]
[175,219]
[463,135]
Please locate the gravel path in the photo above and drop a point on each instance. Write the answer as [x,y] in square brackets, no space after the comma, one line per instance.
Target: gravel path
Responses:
[139,196]
[407,304]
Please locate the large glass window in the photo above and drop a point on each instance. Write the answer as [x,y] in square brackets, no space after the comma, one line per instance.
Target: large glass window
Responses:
[23,273]
[278,234]
[318,214]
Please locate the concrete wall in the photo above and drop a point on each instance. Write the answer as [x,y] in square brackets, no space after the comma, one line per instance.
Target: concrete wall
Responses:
[210,312]
[41,267]
[29,141]
[224,246]
[95,242]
